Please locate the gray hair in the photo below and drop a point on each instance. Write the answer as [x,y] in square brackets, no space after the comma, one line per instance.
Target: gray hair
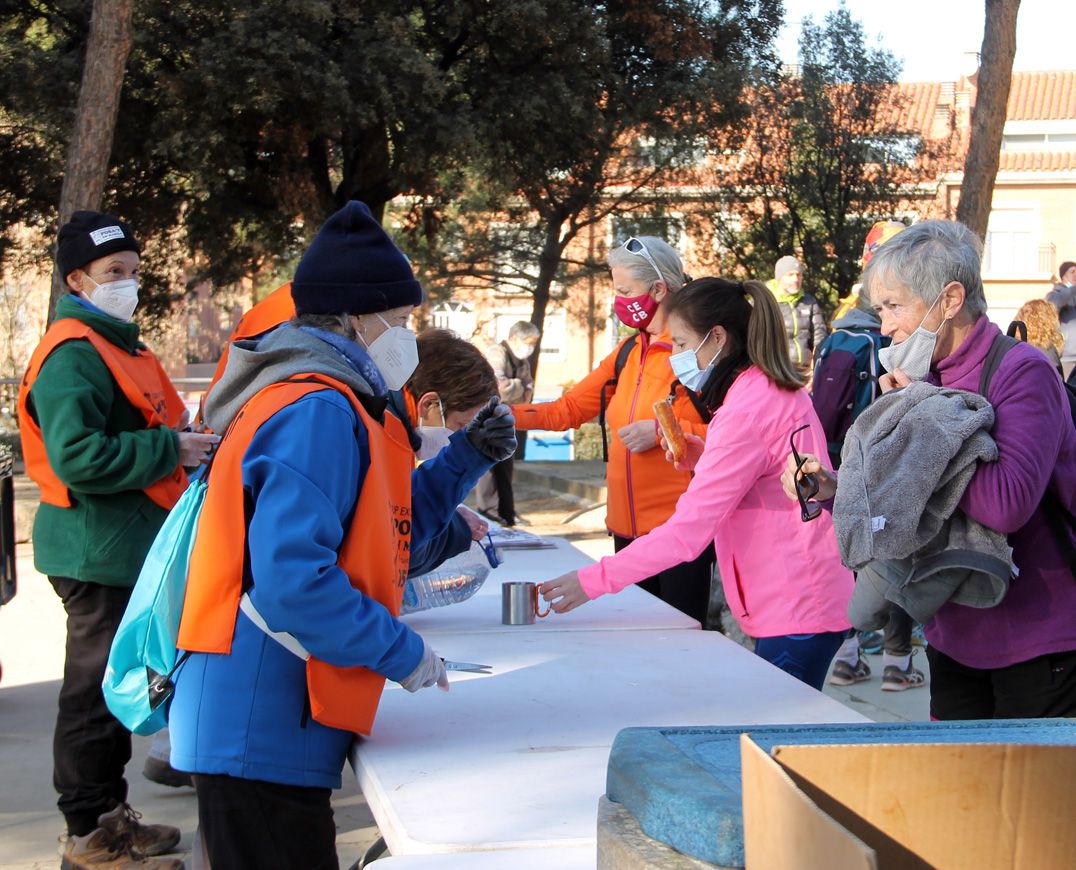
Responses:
[338,323]
[523,329]
[665,258]
[927,256]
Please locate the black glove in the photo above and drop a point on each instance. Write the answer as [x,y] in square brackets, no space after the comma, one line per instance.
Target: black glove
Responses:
[493,431]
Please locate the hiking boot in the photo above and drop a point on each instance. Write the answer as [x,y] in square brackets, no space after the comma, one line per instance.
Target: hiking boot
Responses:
[896,680]
[845,674]
[102,850]
[161,772]
[144,840]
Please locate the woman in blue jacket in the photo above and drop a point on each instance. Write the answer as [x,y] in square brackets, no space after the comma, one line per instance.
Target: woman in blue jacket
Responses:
[257,725]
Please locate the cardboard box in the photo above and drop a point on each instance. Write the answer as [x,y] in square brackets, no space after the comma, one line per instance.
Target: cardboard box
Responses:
[885,806]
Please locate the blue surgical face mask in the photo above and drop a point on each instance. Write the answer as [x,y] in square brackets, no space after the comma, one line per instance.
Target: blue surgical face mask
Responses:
[685,366]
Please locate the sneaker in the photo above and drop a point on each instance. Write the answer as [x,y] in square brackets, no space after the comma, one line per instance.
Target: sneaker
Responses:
[102,850]
[896,680]
[161,772]
[918,638]
[845,674]
[871,642]
[144,840]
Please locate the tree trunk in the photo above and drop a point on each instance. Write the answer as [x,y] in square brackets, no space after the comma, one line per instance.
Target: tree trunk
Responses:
[988,116]
[548,262]
[86,170]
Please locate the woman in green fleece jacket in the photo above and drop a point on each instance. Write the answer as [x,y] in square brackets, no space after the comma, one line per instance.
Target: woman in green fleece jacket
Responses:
[99,421]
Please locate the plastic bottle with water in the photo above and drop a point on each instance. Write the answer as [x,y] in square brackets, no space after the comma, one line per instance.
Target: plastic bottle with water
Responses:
[444,586]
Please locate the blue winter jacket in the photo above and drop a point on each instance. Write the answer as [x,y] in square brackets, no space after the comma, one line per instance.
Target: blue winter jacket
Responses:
[245,714]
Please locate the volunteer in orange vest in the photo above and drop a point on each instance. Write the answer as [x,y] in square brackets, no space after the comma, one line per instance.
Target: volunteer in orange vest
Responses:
[448,367]
[301,552]
[643,487]
[98,419]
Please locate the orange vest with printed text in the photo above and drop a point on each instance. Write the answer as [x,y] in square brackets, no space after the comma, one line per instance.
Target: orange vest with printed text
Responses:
[374,553]
[275,309]
[141,380]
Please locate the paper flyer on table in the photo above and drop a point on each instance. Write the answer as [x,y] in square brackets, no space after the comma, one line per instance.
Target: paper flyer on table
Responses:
[505,538]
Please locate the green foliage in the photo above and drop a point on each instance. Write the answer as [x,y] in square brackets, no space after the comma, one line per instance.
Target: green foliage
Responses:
[570,90]
[825,157]
[243,124]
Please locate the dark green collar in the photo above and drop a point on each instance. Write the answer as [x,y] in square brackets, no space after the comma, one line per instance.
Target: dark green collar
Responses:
[118,332]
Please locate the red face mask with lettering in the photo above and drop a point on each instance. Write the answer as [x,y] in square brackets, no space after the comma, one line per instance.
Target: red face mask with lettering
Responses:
[635,311]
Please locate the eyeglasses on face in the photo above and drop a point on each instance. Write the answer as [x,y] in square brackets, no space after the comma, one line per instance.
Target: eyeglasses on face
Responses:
[634,246]
[806,484]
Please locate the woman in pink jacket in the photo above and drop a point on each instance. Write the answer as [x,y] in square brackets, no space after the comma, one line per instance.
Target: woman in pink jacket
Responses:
[783,577]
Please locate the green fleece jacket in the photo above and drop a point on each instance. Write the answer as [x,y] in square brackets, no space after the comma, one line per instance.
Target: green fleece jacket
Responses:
[98,445]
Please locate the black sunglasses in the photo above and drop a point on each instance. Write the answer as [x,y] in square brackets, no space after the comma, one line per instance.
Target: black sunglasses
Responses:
[807,484]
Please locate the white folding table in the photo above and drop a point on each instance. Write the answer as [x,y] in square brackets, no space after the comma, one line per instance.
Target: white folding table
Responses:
[631,608]
[516,760]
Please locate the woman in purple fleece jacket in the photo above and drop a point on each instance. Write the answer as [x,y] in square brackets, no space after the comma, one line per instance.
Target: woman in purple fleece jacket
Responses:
[1017,659]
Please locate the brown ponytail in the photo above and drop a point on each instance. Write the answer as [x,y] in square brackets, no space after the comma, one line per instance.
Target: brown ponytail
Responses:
[767,343]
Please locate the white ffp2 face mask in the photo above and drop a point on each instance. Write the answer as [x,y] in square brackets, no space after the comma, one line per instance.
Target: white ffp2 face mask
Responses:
[434,438]
[117,299]
[395,353]
[521,351]
[914,355]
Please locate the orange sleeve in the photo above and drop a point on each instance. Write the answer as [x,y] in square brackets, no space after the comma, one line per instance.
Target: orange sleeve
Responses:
[574,408]
[688,417]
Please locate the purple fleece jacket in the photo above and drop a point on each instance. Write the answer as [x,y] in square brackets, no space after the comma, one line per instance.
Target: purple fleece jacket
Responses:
[1036,448]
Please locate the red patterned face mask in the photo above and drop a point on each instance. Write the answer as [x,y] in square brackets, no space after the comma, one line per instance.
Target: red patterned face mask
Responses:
[635,311]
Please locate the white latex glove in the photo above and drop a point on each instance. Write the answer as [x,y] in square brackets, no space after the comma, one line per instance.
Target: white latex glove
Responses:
[430,670]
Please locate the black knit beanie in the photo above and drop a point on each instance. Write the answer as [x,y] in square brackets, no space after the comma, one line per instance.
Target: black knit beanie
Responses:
[353,267]
[90,235]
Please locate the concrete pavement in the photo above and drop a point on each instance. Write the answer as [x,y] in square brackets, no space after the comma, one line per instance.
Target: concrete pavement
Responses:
[32,632]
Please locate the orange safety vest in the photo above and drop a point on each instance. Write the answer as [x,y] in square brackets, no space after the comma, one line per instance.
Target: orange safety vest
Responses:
[141,380]
[275,309]
[374,553]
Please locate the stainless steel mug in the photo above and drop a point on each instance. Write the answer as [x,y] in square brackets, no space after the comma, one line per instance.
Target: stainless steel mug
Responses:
[519,603]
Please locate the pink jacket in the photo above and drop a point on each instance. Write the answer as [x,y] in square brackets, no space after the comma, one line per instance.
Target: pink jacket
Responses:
[781,575]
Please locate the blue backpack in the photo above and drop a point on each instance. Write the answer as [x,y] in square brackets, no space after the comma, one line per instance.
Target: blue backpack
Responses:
[138,679]
[845,381]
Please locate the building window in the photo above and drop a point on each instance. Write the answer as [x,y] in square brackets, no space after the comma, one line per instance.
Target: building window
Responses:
[554,331]
[457,316]
[1012,242]
[669,228]
[1038,141]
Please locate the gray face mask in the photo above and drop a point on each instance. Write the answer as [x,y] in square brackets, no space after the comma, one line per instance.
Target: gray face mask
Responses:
[914,355]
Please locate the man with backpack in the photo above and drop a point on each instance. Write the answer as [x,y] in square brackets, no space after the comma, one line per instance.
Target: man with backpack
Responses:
[805,322]
[845,383]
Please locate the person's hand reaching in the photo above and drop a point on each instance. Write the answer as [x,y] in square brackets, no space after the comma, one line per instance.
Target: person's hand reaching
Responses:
[492,432]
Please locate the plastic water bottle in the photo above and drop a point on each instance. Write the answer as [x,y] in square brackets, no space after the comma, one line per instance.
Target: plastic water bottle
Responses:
[442,587]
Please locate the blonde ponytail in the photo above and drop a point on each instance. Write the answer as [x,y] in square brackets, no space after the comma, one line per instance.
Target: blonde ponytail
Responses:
[767,343]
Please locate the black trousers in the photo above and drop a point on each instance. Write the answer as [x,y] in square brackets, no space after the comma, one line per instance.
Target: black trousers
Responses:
[506,498]
[898,632]
[90,748]
[685,586]
[247,823]
[1038,688]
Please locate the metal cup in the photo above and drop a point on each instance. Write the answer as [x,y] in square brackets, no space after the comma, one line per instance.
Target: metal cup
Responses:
[519,603]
